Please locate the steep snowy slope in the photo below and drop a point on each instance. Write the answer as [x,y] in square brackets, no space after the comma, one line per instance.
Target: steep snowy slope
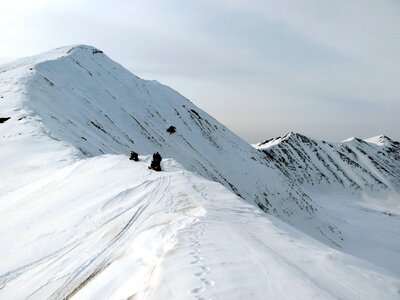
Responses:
[108,228]
[82,97]
[356,182]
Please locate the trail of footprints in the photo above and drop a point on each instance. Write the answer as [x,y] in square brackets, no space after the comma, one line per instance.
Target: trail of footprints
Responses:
[198,260]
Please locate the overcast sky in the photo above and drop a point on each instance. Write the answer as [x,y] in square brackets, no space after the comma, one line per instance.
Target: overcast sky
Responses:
[327,69]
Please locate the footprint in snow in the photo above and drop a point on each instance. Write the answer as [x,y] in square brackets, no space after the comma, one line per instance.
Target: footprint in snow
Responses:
[208,283]
[197,259]
[195,244]
[197,290]
[204,271]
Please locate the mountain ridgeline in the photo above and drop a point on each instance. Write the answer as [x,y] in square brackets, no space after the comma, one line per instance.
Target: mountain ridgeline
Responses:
[79,96]
[357,166]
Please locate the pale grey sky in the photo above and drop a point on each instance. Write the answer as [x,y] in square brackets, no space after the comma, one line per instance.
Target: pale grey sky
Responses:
[328,69]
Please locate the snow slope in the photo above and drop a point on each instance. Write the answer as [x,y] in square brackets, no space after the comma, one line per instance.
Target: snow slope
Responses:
[79,224]
[83,98]
[108,228]
[356,182]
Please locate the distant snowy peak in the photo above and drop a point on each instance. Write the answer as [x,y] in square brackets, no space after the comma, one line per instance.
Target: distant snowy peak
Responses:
[353,164]
[381,140]
[291,136]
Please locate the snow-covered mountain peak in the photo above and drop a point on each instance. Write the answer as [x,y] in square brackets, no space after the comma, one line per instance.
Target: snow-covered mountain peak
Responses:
[380,140]
[79,51]
[290,136]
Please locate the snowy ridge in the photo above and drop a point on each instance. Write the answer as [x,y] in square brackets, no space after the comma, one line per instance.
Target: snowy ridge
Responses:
[79,96]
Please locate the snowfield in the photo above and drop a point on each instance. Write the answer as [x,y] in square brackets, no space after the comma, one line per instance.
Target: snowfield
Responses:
[108,228]
[356,182]
[78,220]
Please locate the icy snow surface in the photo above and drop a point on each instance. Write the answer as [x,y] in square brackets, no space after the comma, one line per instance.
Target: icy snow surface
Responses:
[78,220]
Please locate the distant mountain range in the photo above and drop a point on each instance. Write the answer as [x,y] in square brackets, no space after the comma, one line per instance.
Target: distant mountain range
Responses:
[360,166]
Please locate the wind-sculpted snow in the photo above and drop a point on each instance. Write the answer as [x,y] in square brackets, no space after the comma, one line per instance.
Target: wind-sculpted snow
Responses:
[108,228]
[79,223]
[356,182]
[79,96]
